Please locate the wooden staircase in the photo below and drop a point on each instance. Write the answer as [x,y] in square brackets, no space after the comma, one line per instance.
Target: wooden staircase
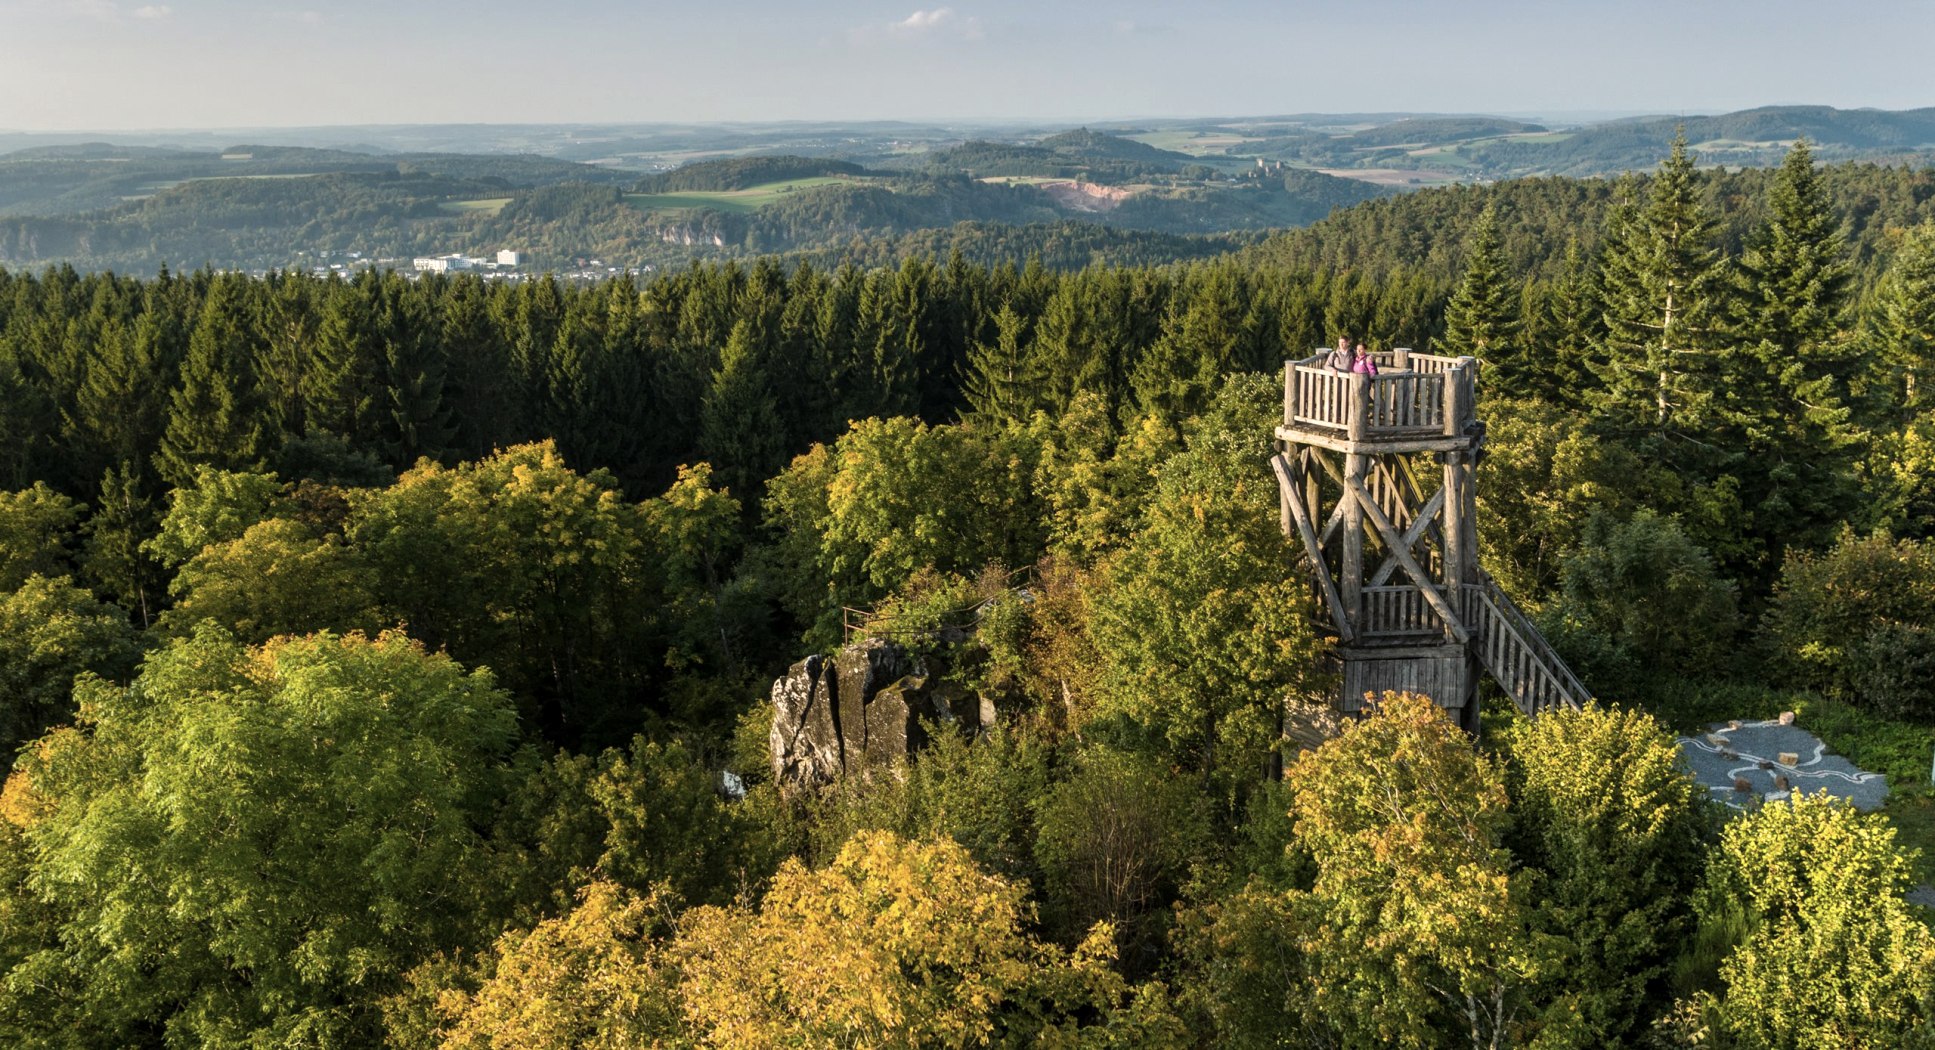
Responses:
[1514,653]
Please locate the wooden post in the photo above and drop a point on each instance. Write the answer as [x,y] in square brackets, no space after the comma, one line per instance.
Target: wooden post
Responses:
[1359,423]
[1290,393]
[1351,571]
[1401,359]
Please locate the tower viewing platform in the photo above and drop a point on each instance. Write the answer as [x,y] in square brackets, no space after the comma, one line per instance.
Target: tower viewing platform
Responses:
[1376,479]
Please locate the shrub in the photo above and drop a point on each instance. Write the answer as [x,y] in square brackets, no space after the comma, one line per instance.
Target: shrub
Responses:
[1853,623]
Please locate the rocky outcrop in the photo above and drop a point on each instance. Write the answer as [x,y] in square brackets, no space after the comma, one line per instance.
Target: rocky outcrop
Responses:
[862,710]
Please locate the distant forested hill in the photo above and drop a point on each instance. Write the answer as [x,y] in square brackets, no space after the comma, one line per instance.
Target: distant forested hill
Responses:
[1488,147]
[431,205]
[740,173]
[1084,154]
[65,180]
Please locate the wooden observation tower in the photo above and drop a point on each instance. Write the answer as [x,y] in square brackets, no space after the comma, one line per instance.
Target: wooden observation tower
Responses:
[1377,482]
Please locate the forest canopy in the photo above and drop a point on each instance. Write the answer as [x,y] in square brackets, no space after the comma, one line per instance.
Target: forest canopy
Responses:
[390,661]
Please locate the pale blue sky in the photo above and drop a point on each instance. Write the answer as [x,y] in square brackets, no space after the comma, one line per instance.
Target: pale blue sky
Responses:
[128,64]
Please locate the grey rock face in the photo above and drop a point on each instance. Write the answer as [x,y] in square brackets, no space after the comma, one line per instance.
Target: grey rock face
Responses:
[805,743]
[862,710]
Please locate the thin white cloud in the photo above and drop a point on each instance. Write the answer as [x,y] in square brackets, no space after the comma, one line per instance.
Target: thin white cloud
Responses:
[940,23]
[923,21]
[153,12]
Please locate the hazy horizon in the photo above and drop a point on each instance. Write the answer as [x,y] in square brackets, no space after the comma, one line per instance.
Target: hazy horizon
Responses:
[187,65]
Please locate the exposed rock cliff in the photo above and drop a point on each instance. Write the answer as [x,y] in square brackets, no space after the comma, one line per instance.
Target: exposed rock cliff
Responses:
[860,710]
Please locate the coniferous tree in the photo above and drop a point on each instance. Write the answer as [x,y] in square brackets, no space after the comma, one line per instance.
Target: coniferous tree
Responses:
[1787,377]
[1902,326]
[343,384]
[114,561]
[1481,319]
[740,431]
[1794,280]
[1004,378]
[1663,298]
[1573,321]
[215,418]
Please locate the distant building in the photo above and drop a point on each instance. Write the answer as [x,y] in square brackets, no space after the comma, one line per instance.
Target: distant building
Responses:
[444,263]
[510,258]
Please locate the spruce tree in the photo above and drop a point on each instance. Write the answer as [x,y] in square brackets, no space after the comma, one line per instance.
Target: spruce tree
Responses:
[1902,326]
[214,418]
[1787,375]
[1663,298]
[1794,280]
[740,432]
[1003,382]
[1482,318]
[115,563]
[342,383]
[1573,322]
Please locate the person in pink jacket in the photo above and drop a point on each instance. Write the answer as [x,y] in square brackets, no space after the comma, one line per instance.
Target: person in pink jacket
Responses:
[1363,362]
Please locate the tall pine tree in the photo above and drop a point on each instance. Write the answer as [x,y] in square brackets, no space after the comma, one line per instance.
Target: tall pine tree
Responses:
[1664,298]
[215,418]
[1901,325]
[1482,318]
[741,432]
[1003,382]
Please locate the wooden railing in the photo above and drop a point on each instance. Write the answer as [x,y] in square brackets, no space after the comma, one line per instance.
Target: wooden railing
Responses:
[1391,612]
[1413,395]
[1518,657]
[1511,649]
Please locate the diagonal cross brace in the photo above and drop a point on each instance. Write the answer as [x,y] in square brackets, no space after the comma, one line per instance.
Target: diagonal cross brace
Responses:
[1293,500]
[1419,526]
[1411,567]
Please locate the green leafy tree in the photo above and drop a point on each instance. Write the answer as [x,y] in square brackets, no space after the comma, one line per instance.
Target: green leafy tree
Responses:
[1200,630]
[51,632]
[980,793]
[1603,809]
[1850,620]
[594,978]
[1545,475]
[1414,927]
[1094,479]
[1117,840]
[900,944]
[1644,587]
[255,844]
[1827,953]
[523,563]
[900,496]
[38,528]
[217,507]
[280,577]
